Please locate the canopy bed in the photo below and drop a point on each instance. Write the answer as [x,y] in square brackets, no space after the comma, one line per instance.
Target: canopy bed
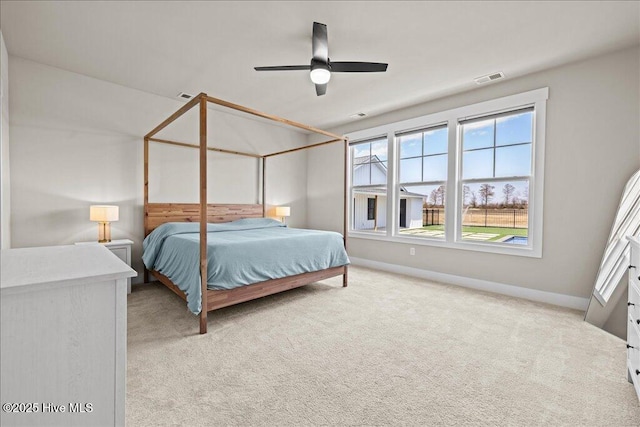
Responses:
[193,239]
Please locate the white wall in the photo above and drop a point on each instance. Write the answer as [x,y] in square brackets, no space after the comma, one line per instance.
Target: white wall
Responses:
[287,186]
[77,141]
[591,150]
[360,213]
[5,182]
[414,212]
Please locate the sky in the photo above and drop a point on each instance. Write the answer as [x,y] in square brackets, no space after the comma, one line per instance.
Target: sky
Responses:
[492,148]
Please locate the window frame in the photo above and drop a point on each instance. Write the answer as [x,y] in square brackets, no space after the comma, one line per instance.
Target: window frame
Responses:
[462,181]
[453,199]
[353,189]
[408,184]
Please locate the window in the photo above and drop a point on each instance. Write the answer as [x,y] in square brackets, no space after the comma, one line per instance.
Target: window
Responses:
[369,174]
[422,181]
[496,169]
[469,178]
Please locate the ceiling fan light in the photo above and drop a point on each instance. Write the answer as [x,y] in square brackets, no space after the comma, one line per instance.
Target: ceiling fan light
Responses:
[320,75]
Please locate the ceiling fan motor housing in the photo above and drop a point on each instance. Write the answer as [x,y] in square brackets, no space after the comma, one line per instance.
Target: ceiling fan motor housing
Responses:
[320,71]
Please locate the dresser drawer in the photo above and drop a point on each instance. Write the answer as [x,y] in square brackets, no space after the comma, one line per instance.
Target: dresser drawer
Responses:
[633,354]
[634,260]
[633,337]
[633,276]
[634,300]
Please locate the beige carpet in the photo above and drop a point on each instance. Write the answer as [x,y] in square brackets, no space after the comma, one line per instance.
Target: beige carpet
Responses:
[387,350]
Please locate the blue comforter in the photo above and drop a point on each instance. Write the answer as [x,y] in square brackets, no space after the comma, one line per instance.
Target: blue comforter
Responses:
[239,253]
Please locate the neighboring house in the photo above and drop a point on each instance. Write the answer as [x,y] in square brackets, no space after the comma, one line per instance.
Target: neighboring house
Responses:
[370,197]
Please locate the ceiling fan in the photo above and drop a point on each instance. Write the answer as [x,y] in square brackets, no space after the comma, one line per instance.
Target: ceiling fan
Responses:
[321,66]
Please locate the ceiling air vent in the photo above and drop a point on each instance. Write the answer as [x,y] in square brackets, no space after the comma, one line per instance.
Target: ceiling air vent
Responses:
[185,96]
[489,78]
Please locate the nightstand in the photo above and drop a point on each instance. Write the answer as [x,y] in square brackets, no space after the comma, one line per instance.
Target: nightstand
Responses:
[121,249]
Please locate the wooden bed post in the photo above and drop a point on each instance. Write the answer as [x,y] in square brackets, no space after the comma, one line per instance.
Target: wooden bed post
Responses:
[146,197]
[264,187]
[345,223]
[203,212]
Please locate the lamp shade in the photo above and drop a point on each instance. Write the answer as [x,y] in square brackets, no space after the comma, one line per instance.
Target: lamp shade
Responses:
[283,211]
[103,213]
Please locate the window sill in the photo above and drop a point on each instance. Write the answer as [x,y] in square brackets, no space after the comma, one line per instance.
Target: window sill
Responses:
[496,248]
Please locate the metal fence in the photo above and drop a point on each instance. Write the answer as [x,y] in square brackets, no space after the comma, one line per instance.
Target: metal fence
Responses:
[478,217]
[432,217]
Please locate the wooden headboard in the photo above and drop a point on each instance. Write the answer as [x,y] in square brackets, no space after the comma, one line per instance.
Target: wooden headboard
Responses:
[159,213]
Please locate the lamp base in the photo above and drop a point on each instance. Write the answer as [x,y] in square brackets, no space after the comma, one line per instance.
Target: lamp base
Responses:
[104,232]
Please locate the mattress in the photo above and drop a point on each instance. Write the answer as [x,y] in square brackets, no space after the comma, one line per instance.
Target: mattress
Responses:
[239,253]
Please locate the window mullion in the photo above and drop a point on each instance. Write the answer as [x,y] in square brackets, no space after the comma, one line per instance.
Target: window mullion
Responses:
[392,191]
[422,159]
[451,196]
[494,146]
[496,179]
[370,162]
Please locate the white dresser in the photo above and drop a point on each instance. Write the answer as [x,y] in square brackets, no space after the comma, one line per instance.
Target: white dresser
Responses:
[633,327]
[63,336]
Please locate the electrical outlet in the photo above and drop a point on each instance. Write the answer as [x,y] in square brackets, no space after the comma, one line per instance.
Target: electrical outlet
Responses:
[412,251]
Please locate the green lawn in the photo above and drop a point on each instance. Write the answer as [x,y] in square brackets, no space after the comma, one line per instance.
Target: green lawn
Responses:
[501,232]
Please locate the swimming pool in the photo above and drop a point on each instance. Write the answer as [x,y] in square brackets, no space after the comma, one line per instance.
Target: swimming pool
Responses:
[517,240]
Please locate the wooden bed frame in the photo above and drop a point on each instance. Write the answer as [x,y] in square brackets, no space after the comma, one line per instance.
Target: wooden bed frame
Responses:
[156,214]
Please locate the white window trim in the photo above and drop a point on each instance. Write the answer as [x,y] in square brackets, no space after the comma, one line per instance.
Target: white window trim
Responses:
[537,98]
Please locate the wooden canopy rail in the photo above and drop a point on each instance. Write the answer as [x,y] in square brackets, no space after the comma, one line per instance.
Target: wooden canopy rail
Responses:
[220,150]
[156,214]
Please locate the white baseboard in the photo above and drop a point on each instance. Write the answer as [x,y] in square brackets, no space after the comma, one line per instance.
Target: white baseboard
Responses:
[568,301]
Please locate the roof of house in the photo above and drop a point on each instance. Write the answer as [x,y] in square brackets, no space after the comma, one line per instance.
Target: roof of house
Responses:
[381,191]
[362,160]
[357,161]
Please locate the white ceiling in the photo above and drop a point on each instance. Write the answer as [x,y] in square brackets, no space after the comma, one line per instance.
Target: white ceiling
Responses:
[433,48]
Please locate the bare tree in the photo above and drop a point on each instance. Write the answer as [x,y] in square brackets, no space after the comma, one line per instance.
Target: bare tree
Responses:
[508,191]
[466,193]
[437,196]
[474,200]
[486,193]
[442,190]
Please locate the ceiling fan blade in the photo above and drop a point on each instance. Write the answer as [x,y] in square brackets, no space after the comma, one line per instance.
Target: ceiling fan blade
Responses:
[320,43]
[321,89]
[283,68]
[358,67]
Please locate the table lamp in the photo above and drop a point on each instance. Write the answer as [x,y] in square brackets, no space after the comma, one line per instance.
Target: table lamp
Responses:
[103,215]
[283,212]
